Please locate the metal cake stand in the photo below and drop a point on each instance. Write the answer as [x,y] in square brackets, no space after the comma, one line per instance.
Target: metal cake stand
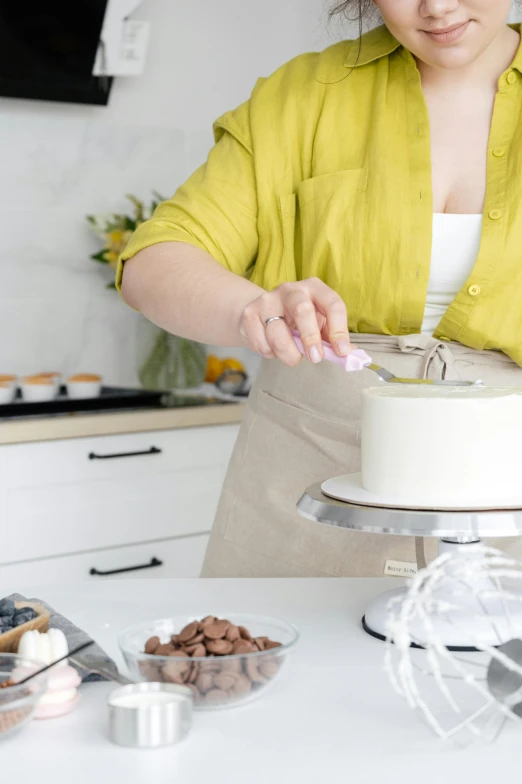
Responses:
[459,532]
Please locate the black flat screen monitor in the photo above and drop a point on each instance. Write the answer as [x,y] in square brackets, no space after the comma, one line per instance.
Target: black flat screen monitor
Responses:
[47,50]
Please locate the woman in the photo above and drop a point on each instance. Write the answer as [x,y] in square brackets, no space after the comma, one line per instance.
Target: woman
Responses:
[368,193]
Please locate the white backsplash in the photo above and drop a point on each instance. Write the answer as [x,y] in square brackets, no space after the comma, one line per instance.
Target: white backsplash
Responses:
[59,162]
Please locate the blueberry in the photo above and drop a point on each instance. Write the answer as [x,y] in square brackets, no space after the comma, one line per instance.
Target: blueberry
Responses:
[27,612]
[21,618]
[7,607]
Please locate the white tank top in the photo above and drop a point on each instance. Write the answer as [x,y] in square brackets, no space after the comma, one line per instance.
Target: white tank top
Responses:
[454,250]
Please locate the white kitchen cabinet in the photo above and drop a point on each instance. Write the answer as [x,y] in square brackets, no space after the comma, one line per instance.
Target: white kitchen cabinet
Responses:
[169,558]
[75,496]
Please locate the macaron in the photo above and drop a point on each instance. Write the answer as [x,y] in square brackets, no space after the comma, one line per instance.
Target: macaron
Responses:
[61,695]
[46,647]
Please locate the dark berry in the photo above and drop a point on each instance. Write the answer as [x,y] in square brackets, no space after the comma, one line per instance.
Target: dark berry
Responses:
[21,618]
[7,607]
[26,612]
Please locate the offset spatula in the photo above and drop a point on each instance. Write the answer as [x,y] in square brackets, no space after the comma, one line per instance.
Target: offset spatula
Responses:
[359,360]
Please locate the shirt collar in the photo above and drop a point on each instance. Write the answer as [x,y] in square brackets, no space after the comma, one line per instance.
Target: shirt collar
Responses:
[372,46]
[380,43]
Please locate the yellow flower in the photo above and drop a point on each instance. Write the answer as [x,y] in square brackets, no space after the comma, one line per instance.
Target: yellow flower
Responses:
[112,257]
[114,239]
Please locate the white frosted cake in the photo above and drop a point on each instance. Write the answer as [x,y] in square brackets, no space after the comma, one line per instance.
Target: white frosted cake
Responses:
[443,446]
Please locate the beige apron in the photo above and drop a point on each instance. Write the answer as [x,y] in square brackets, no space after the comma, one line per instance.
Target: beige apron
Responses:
[302,425]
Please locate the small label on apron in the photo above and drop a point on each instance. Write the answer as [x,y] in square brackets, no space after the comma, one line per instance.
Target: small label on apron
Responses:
[400,569]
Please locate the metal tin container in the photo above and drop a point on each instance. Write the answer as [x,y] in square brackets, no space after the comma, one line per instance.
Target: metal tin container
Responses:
[149,715]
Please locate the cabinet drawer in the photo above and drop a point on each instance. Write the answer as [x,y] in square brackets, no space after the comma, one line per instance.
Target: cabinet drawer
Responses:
[63,519]
[179,558]
[64,497]
[111,457]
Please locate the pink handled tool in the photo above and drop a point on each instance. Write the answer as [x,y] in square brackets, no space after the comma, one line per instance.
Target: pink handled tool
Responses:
[356,360]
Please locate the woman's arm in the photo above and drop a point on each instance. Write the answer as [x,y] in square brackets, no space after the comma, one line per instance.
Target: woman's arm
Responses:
[185,291]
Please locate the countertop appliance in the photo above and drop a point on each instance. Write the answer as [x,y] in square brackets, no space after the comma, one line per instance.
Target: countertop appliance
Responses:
[110,399]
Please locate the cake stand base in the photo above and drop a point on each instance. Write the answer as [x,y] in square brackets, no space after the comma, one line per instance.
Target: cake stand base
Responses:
[479,618]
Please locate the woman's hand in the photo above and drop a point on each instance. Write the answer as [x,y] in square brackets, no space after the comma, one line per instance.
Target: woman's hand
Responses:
[308,306]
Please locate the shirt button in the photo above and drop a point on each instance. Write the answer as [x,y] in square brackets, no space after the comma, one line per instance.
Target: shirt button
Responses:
[495,214]
[511,77]
[444,338]
[498,152]
[474,290]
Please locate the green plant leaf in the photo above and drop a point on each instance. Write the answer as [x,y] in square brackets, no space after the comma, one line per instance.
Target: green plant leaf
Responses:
[100,257]
[110,285]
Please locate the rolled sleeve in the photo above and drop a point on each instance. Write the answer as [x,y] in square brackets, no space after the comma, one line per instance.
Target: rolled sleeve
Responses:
[216,209]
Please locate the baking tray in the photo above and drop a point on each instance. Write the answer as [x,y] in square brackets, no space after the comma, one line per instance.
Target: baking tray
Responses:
[110,399]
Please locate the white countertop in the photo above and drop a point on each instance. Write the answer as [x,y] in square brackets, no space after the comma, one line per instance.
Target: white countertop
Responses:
[32,429]
[330,718]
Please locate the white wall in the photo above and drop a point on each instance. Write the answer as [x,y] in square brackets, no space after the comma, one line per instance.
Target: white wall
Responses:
[59,162]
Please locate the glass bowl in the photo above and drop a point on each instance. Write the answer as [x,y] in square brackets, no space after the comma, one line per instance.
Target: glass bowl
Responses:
[216,681]
[18,703]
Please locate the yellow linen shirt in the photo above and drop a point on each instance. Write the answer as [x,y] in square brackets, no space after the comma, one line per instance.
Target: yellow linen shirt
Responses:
[326,171]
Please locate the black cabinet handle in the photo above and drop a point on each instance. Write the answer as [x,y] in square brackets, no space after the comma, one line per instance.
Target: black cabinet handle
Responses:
[152,451]
[153,562]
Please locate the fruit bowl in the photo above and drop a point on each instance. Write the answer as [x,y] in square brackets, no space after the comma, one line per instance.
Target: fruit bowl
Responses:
[10,636]
[216,680]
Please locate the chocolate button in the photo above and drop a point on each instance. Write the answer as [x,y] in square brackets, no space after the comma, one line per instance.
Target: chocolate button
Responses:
[152,645]
[231,665]
[217,630]
[241,686]
[196,651]
[188,632]
[204,682]
[164,650]
[225,680]
[207,619]
[245,634]
[176,671]
[252,671]
[233,633]
[220,647]
[269,667]
[211,665]
[242,647]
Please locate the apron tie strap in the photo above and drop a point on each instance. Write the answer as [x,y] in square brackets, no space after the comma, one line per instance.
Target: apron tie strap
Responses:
[438,360]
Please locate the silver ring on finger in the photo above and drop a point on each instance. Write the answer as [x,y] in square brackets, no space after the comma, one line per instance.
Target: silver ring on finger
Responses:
[273,318]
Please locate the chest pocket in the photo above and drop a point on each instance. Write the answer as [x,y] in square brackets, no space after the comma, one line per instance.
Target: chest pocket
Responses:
[330,230]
